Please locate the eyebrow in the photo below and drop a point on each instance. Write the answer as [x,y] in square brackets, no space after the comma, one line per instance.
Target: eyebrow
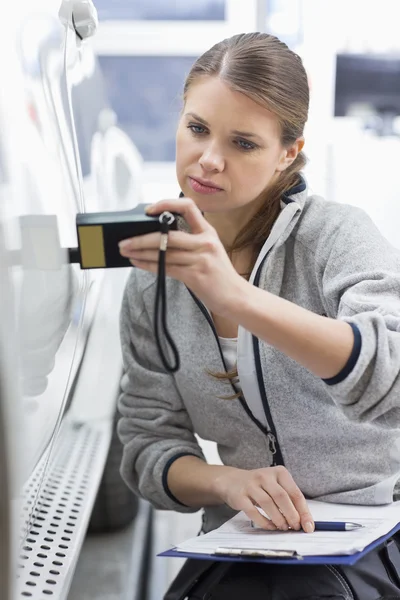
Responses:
[235,131]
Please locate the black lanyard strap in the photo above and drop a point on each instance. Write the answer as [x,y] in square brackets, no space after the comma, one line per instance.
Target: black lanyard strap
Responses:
[160,305]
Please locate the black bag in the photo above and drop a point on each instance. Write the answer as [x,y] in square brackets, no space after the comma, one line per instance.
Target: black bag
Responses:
[376,576]
[196,579]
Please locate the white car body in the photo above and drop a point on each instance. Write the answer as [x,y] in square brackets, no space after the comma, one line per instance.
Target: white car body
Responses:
[60,360]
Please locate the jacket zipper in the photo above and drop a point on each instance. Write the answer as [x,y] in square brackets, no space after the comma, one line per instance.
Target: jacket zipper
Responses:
[270,435]
[274,447]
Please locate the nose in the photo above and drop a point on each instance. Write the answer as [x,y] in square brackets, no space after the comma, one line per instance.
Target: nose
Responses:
[212,160]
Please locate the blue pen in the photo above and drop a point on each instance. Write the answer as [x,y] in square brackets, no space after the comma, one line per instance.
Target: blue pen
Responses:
[332,526]
[336,526]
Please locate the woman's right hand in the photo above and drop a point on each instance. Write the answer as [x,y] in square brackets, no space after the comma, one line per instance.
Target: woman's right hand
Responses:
[273,489]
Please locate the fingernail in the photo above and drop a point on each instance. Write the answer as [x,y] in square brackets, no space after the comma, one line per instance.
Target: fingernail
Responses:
[124,244]
[308,527]
[151,208]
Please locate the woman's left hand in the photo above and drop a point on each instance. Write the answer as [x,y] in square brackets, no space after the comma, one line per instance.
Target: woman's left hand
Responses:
[198,259]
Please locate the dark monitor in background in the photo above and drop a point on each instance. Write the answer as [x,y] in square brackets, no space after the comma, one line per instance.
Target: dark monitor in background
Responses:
[369,85]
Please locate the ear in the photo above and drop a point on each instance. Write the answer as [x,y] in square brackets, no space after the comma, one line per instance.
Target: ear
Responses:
[289,154]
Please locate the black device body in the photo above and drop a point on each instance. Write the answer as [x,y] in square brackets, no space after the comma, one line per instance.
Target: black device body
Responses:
[99,234]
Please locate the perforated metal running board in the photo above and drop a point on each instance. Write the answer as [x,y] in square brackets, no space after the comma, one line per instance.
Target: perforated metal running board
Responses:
[55,529]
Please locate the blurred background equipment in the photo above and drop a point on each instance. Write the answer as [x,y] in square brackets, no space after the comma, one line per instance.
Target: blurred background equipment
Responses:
[368,85]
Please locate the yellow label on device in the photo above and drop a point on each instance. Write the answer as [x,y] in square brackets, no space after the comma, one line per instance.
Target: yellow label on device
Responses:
[91,243]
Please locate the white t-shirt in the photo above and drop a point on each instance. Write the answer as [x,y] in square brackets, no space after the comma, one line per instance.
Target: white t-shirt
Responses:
[229,350]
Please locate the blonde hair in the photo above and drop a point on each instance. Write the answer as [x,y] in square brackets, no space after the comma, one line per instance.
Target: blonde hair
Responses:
[263,68]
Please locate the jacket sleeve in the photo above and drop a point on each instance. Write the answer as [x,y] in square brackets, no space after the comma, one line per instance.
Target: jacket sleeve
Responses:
[361,285]
[155,428]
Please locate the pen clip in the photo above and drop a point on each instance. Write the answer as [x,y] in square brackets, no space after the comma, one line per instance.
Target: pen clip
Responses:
[258,553]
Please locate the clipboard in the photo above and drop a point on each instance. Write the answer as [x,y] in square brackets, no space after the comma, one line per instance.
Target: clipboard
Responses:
[295,559]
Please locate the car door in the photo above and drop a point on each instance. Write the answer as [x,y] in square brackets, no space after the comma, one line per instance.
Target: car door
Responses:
[53,303]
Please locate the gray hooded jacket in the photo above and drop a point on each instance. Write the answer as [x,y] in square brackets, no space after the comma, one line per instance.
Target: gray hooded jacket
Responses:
[339,438]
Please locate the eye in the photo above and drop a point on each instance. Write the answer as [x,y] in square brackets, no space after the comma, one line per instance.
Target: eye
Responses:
[244,145]
[196,129]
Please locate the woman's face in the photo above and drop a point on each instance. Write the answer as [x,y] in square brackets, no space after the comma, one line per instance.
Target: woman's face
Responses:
[228,147]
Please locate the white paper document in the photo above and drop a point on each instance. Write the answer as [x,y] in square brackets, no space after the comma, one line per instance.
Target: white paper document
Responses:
[376,522]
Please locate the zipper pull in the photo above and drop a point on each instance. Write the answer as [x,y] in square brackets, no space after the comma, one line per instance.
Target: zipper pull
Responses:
[272,443]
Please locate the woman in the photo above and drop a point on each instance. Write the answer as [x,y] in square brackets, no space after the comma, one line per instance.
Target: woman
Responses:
[286,312]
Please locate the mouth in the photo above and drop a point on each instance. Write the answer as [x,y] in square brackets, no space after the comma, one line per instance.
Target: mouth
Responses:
[203,186]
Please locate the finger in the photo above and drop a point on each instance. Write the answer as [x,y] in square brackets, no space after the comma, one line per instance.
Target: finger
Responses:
[184,207]
[254,515]
[265,501]
[151,267]
[304,519]
[172,257]
[176,239]
[140,242]
[187,241]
